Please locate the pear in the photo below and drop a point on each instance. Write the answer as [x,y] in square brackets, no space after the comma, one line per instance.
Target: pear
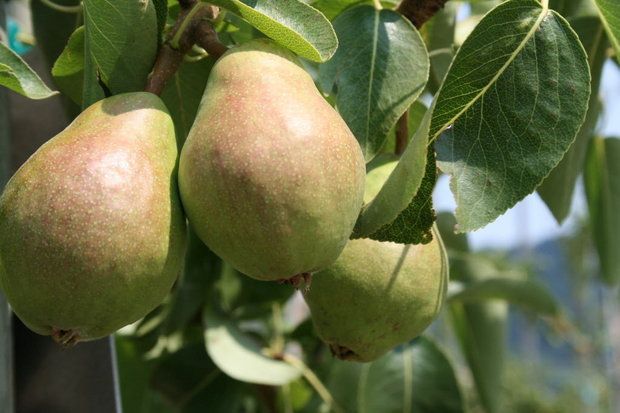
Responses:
[271,177]
[378,295]
[92,233]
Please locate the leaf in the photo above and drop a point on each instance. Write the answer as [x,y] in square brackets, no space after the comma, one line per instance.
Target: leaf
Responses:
[566,8]
[183,93]
[161,11]
[602,182]
[510,106]
[241,294]
[609,11]
[480,328]
[190,381]
[5,147]
[237,355]
[16,75]
[527,294]
[400,187]
[134,372]
[332,8]
[68,71]
[481,333]
[439,35]
[190,293]
[379,70]
[416,113]
[52,28]
[413,224]
[557,189]
[292,23]
[416,377]
[121,42]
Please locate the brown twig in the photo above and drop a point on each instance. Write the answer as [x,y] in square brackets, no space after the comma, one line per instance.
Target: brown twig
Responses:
[206,37]
[402,133]
[420,11]
[193,26]
[187,4]
[417,12]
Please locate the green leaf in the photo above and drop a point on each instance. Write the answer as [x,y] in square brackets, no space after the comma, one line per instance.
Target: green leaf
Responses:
[379,71]
[92,90]
[417,377]
[557,189]
[68,71]
[439,35]
[481,332]
[134,372]
[292,23]
[566,8]
[479,328]
[332,8]
[610,15]
[400,188]
[526,294]
[121,43]
[241,294]
[161,10]
[52,28]
[16,75]
[190,381]
[416,114]
[413,224]
[240,357]
[602,182]
[183,93]
[509,108]
[191,290]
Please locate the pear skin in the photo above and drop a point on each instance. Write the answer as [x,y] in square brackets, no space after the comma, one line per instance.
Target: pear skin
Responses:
[377,295]
[271,177]
[92,233]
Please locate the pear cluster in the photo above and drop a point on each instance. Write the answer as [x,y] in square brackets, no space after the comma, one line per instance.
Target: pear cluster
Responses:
[93,225]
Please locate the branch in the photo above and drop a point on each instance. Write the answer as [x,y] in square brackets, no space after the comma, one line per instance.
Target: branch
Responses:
[420,11]
[206,37]
[192,26]
[417,12]
[402,133]
[187,4]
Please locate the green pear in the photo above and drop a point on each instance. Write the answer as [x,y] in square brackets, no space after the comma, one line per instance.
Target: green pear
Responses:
[271,177]
[378,295]
[92,233]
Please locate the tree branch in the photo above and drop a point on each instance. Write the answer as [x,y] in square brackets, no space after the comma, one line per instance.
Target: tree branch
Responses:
[193,26]
[402,133]
[420,11]
[417,12]
[187,4]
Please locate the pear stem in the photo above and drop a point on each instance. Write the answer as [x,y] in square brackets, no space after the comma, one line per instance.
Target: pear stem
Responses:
[314,381]
[185,23]
[419,12]
[193,26]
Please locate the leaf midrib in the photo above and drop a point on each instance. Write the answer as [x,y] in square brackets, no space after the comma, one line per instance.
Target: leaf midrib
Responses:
[500,72]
